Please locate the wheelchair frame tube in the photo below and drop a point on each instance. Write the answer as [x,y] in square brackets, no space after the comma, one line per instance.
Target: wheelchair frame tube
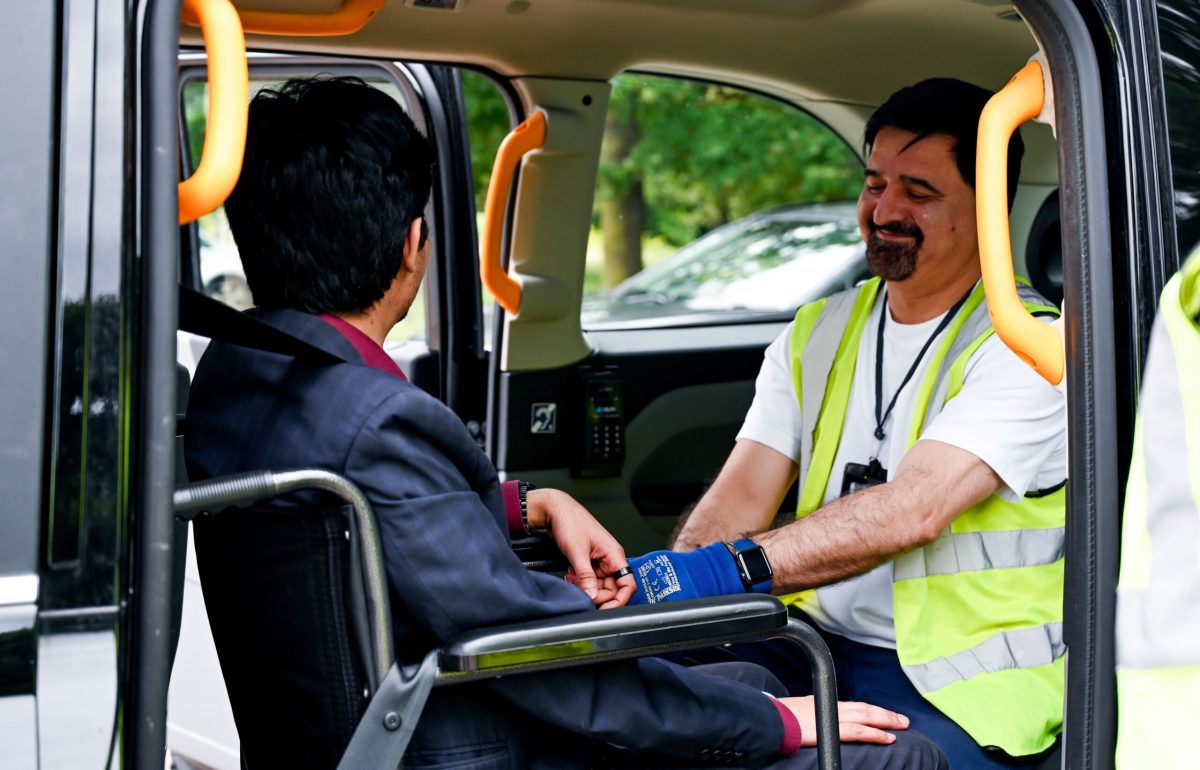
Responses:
[248,488]
[829,756]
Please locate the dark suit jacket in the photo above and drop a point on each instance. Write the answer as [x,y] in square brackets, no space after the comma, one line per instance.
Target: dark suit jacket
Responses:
[449,563]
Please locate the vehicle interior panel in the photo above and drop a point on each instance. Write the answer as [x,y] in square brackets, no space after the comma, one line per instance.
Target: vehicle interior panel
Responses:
[627,395]
[544,353]
[987,42]
[551,214]
[676,439]
[644,379]
[683,390]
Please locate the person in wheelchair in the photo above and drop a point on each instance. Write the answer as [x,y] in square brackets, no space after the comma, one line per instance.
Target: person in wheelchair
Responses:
[328,218]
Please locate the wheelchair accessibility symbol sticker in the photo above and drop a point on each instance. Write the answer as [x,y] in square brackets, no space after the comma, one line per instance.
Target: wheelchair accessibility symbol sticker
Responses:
[544,419]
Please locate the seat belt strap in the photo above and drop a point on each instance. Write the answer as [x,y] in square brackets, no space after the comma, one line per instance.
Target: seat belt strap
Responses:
[207,317]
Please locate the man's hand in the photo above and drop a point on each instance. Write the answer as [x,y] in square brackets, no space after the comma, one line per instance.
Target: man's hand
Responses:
[668,576]
[594,554]
[860,722]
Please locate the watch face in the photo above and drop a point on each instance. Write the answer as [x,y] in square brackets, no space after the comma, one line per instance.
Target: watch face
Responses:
[755,566]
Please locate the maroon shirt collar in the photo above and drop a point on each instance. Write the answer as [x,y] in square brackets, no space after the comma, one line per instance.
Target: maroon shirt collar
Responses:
[372,355]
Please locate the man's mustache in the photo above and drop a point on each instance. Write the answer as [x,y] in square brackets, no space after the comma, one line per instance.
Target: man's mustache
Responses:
[899,228]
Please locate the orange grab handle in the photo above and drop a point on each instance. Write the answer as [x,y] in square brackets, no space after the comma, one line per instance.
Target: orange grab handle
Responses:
[528,136]
[228,90]
[1036,343]
[352,17]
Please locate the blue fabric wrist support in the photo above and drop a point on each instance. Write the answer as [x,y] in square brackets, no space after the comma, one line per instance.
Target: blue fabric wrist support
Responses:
[668,576]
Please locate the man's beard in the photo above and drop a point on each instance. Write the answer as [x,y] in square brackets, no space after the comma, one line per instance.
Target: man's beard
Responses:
[892,260]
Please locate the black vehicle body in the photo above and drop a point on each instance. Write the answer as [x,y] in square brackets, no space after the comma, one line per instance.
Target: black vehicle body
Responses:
[89,549]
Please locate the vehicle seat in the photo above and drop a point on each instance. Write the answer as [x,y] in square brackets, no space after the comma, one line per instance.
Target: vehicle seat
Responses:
[1043,252]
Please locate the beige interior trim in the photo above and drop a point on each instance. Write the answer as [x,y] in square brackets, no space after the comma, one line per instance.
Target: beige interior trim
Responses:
[836,59]
[853,51]
[551,223]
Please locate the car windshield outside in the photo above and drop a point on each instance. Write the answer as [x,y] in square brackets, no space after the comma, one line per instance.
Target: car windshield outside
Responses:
[765,264]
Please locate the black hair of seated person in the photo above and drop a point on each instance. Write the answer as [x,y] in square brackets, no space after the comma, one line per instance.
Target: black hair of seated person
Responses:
[334,174]
[945,106]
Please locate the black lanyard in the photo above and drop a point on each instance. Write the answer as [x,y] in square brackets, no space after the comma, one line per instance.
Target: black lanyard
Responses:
[883,313]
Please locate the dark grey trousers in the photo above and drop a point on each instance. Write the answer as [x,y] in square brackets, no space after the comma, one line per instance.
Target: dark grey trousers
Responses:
[911,751]
[504,741]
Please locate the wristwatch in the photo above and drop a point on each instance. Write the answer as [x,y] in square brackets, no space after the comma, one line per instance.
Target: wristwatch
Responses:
[753,566]
[523,488]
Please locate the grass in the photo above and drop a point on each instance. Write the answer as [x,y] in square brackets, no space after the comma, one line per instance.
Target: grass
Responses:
[654,250]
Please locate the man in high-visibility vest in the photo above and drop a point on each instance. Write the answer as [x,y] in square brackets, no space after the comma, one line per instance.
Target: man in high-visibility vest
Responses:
[930,460]
[1158,592]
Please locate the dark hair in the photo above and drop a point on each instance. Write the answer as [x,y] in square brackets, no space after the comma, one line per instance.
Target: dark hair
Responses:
[334,175]
[950,107]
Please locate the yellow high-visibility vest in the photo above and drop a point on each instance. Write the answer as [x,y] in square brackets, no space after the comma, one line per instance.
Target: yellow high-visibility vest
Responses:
[978,612]
[1158,589]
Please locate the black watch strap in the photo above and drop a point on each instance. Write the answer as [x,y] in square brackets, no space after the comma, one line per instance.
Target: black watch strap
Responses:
[523,488]
[753,566]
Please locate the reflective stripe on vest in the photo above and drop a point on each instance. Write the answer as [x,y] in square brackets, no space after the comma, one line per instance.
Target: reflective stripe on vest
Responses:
[1023,648]
[1158,591]
[956,552]
[978,612]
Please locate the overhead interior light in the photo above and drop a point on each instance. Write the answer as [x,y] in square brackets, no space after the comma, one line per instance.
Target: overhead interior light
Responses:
[437,5]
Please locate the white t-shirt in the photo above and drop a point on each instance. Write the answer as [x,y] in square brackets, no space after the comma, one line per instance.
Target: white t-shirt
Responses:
[1006,415]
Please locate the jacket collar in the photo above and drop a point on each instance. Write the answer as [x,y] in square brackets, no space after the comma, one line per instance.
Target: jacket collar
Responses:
[312,330]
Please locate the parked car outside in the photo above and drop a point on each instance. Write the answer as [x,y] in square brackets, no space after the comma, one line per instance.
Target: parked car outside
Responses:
[766,264]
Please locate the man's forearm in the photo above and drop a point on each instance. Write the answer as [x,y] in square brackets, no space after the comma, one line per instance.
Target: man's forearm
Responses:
[847,537]
[935,483]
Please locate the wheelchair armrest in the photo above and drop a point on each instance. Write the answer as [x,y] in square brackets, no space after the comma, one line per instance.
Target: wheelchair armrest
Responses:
[627,632]
[634,632]
[595,637]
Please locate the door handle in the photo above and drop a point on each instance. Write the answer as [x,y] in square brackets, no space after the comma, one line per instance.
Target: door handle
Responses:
[1037,344]
[351,17]
[526,137]
[228,92]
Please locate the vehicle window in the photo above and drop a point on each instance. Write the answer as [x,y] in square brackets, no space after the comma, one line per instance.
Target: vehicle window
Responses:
[221,274]
[713,203]
[1179,33]
[488,121]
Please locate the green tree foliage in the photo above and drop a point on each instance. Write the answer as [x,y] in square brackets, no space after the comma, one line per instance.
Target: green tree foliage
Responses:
[195,110]
[488,123]
[680,158]
[702,155]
